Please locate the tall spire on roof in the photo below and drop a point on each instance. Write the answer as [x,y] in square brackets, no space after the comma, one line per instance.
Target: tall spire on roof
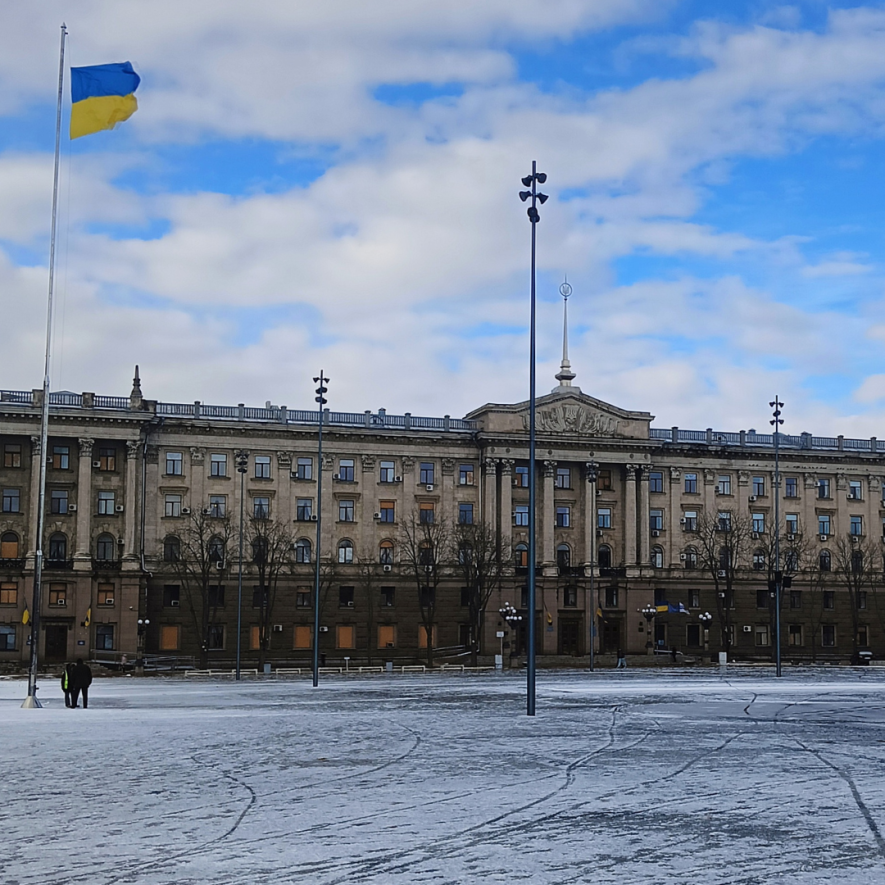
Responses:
[565,374]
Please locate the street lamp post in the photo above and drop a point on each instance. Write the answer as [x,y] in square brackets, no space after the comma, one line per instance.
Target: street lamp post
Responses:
[320,398]
[705,619]
[242,466]
[649,613]
[532,181]
[776,404]
[592,475]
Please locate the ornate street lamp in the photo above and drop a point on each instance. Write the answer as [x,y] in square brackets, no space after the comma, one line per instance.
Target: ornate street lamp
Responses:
[242,459]
[705,619]
[592,469]
[649,613]
[776,404]
[320,398]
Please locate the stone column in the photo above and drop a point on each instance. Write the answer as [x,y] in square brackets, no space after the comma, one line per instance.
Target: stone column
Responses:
[630,516]
[283,505]
[548,517]
[589,517]
[83,529]
[130,499]
[490,504]
[644,524]
[674,527]
[506,511]
[34,500]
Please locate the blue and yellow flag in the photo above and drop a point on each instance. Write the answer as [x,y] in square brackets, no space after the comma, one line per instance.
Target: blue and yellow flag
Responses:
[102,96]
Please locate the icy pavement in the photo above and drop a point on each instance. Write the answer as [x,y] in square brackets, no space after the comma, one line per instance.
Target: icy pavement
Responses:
[622,777]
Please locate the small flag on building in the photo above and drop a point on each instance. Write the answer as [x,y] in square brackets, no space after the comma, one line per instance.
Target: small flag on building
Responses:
[26,616]
[88,620]
[102,97]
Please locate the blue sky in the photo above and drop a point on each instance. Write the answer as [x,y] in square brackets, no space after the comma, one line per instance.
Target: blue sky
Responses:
[336,187]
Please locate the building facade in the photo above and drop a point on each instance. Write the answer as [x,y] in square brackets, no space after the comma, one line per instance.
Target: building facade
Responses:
[630,518]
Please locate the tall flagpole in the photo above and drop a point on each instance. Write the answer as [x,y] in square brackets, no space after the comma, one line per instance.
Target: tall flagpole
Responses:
[31,700]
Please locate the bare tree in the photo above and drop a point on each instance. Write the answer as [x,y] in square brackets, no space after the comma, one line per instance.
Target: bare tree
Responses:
[480,560]
[821,580]
[198,562]
[367,573]
[854,565]
[425,549]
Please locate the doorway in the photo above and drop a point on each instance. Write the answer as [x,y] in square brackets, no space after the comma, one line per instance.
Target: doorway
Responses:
[56,644]
[610,636]
[570,635]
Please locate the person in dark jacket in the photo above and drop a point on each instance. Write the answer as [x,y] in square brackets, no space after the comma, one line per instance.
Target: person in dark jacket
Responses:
[66,677]
[81,679]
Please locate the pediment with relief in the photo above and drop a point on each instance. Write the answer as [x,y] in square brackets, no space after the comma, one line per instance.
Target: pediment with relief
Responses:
[574,418]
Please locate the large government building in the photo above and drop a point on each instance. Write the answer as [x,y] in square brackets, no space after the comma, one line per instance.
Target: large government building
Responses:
[647,538]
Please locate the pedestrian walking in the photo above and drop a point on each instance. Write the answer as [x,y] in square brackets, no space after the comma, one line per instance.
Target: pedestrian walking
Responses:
[66,675]
[622,660]
[673,653]
[81,679]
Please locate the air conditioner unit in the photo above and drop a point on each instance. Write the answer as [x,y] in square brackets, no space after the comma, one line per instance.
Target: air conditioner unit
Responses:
[61,602]
[96,463]
[350,604]
[791,537]
[655,533]
[293,474]
[516,484]
[854,538]
[430,487]
[72,508]
[378,515]
[389,568]
[748,628]
[824,537]
[277,628]
[119,508]
[324,629]
[397,479]
[220,565]
[755,536]
[109,600]
[313,517]
[207,511]
[185,511]
[121,541]
[174,603]
[335,476]
[682,521]
[752,498]
[390,645]
[683,556]
[599,533]
[720,573]
[428,568]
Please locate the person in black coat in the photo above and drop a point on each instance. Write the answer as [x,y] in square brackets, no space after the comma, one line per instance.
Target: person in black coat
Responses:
[81,679]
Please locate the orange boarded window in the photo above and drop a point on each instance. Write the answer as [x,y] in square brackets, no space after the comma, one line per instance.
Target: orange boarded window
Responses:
[303,636]
[255,637]
[344,636]
[9,545]
[387,636]
[422,636]
[8,594]
[169,638]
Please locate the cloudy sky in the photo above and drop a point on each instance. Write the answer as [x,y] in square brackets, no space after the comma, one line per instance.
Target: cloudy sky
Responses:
[334,184]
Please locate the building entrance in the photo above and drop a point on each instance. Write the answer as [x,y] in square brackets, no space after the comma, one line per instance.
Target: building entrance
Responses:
[570,636]
[56,644]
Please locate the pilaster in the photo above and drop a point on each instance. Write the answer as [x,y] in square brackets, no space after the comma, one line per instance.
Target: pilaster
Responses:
[83,528]
[630,516]
[490,485]
[644,517]
[129,512]
[506,509]
[548,519]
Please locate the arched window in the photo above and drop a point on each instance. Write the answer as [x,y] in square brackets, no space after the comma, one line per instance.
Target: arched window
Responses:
[657,557]
[791,561]
[857,562]
[216,549]
[9,545]
[605,556]
[385,552]
[104,547]
[825,560]
[58,547]
[690,557]
[563,557]
[521,556]
[171,549]
[345,552]
[758,560]
[302,550]
[259,550]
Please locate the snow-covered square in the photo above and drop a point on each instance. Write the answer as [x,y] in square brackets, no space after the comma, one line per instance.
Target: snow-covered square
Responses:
[622,777]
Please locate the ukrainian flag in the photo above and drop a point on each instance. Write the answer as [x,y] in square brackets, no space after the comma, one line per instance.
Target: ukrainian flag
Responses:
[102,96]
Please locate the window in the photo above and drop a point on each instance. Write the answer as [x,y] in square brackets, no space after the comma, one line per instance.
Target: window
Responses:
[521,515]
[825,560]
[829,600]
[823,488]
[218,465]
[656,481]
[465,514]
[694,598]
[345,470]
[345,552]
[10,501]
[217,505]
[173,463]
[385,552]
[170,637]
[693,635]
[107,459]
[304,468]
[260,507]
[724,521]
[345,597]
[304,509]
[611,597]
[58,594]
[563,558]
[759,522]
[795,599]
[563,517]
[855,490]
[521,477]
[570,597]
[604,480]
[345,511]
[761,634]
[259,597]
[58,502]
[828,635]
[215,637]
[823,524]
[105,594]
[262,467]
[8,594]
[657,557]
[171,596]
[861,599]
[723,486]
[105,503]
[758,486]
[12,455]
[61,457]
[303,599]
[465,474]
[302,550]
[795,635]
[792,523]
[563,478]
[303,634]
[603,518]
[7,637]
[791,561]
[856,525]
[388,471]
[388,597]
[426,513]
[724,558]
[863,636]
[260,549]
[763,598]
[691,558]
[691,483]
[791,487]
[425,555]
[422,636]
[344,636]
[759,560]
[690,521]
[386,636]
[171,549]
[105,548]
[426,473]
[521,556]
[173,505]
[656,520]
[216,596]
[58,547]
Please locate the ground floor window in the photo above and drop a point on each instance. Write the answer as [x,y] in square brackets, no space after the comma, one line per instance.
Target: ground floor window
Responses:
[255,637]
[7,637]
[828,635]
[303,636]
[693,635]
[216,637]
[762,635]
[386,636]
[104,637]
[170,637]
[863,636]
[345,636]
[422,636]
[795,635]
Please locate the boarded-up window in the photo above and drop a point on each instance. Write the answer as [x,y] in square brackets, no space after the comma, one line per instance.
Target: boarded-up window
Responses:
[303,636]
[169,638]
[422,636]
[106,594]
[9,545]
[8,594]
[387,636]
[255,637]
[344,636]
